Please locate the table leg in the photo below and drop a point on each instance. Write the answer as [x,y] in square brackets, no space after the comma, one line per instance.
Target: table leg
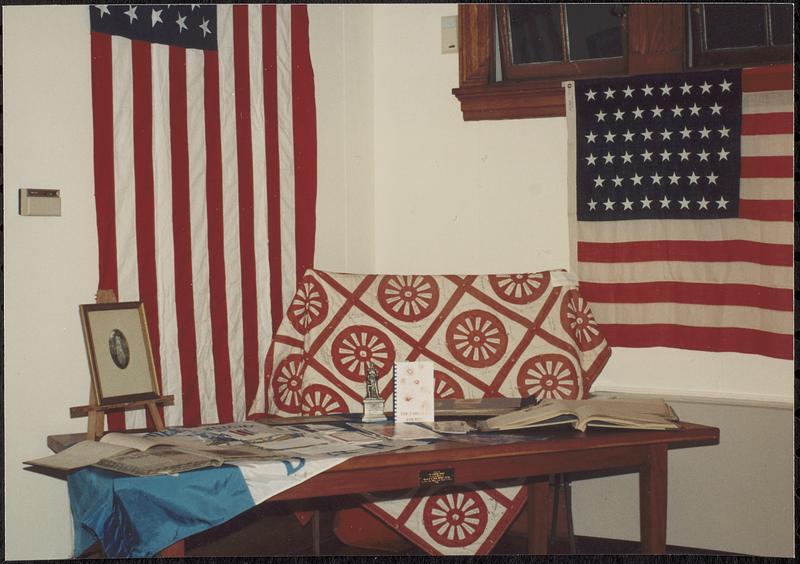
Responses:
[315,531]
[175,550]
[538,514]
[653,500]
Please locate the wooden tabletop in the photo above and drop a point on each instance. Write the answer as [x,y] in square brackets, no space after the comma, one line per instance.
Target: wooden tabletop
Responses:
[533,453]
[527,452]
[544,439]
[537,441]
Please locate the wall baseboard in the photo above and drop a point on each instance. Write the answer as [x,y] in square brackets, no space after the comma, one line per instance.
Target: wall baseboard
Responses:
[767,402]
[599,545]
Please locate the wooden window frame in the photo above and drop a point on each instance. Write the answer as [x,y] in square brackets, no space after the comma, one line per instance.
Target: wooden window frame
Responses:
[656,43]
[563,68]
[734,56]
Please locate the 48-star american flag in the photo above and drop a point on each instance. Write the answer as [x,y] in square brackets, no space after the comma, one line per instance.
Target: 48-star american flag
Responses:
[205,185]
[681,205]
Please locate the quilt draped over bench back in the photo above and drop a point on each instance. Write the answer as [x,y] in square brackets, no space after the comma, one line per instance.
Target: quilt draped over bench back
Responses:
[512,335]
[506,335]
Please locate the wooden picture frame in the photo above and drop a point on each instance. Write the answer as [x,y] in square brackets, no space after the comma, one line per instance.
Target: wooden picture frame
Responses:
[119,352]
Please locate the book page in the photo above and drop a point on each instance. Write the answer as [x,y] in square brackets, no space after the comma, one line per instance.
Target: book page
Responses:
[159,460]
[289,441]
[401,431]
[639,414]
[643,425]
[534,415]
[79,455]
[128,440]
[449,427]
[413,392]
[233,451]
[647,410]
[473,407]
[644,414]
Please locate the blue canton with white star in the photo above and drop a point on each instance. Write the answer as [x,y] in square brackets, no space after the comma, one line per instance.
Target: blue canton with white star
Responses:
[659,146]
[183,25]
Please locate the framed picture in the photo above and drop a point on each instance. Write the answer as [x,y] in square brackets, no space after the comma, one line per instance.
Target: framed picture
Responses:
[118,347]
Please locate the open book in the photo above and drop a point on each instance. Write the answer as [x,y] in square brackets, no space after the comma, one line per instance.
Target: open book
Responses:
[616,413]
[134,455]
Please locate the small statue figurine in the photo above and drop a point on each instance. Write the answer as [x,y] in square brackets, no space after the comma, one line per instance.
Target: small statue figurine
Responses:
[372,382]
[373,403]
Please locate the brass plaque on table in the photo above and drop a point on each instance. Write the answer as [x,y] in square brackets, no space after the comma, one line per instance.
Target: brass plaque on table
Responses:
[436,477]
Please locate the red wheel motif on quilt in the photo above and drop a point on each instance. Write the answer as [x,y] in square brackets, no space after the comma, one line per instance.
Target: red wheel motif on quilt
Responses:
[408,298]
[354,347]
[309,306]
[548,376]
[520,288]
[322,400]
[287,383]
[457,518]
[578,320]
[446,387]
[477,338]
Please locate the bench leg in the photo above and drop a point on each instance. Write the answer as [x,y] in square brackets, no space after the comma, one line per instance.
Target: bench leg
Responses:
[653,501]
[538,514]
[175,550]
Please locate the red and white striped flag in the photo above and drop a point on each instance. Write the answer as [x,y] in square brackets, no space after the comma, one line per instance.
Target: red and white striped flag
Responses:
[205,186]
[681,205]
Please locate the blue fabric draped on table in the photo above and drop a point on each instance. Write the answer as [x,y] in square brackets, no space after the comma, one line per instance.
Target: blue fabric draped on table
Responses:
[138,517]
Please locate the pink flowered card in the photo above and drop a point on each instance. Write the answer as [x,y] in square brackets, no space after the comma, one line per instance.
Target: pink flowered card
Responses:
[413,392]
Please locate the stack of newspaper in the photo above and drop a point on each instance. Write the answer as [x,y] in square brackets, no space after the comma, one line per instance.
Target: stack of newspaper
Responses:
[180,450]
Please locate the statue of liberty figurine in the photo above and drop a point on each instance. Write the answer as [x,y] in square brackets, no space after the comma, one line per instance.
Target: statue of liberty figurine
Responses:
[372,382]
[373,403]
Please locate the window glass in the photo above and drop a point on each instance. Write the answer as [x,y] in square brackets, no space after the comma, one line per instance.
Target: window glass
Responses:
[535,33]
[735,25]
[594,31]
[782,19]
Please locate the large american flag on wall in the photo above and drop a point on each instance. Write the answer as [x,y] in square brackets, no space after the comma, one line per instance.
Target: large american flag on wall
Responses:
[681,204]
[205,186]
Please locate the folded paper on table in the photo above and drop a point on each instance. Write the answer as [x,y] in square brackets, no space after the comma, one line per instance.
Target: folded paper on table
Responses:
[131,454]
[402,431]
[449,427]
[653,414]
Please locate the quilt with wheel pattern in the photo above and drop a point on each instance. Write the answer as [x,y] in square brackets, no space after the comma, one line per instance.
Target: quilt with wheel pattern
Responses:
[512,335]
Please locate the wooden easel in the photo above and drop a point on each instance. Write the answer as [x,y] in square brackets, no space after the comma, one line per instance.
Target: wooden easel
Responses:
[97,413]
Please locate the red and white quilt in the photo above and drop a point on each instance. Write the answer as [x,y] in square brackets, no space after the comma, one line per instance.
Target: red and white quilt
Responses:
[452,520]
[513,335]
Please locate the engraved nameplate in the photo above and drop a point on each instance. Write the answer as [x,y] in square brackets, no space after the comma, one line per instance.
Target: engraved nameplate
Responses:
[435,477]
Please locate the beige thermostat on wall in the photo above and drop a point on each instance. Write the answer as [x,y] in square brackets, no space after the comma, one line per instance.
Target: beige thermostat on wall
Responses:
[33,201]
[449,34]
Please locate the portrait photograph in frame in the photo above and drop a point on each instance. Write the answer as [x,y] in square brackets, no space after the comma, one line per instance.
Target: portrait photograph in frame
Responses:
[119,352]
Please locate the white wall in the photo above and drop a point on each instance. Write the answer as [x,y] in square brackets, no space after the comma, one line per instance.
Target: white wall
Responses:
[327,55]
[50,264]
[405,185]
[734,497]
[341,52]
[454,196]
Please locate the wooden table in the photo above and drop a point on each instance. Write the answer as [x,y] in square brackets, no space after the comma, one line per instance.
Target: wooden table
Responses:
[535,458]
